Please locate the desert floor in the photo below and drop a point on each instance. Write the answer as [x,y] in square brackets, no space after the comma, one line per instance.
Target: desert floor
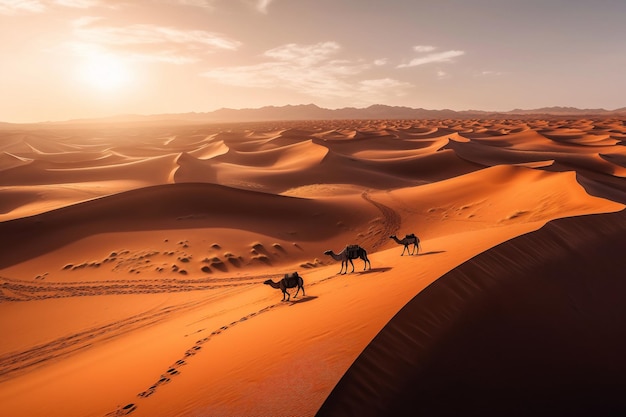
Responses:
[133,259]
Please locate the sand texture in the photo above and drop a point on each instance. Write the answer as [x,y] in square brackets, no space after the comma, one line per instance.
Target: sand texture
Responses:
[134,256]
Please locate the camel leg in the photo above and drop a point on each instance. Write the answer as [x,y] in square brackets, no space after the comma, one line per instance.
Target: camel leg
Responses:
[342,264]
[366,262]
[403,249]
[351,263]
[298,290]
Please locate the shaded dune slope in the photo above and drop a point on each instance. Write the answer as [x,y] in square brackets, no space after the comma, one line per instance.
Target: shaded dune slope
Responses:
[172,206]
[533,326]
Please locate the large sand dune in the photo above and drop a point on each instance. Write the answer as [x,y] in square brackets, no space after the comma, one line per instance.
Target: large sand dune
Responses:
[532,326]
[134,256]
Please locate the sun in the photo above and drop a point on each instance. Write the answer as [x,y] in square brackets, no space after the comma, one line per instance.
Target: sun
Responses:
[105,72]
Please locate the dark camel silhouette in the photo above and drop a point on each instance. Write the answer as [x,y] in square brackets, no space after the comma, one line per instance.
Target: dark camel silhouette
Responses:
[349,253]
[289,281]
[406,241]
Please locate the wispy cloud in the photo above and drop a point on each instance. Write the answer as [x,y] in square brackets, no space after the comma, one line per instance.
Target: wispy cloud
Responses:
[312,70]
[204,4]
[87,30]
[13,7]
[262,5]
[145,42]
[429,58]
[80,4]
[488,73]
[379,90]
[423,48]
[303,55]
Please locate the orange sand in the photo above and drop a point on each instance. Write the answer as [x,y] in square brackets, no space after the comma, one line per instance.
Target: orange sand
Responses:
[133,259]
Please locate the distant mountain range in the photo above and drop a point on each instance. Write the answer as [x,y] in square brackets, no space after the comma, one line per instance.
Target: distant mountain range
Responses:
[377,111]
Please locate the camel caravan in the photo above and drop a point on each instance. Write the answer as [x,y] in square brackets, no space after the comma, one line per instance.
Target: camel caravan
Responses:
[349,253]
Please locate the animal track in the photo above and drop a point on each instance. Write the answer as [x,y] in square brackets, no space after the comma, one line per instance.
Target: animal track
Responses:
[18,290]
[39,355]
[173,370]
[391,220]
[122,411]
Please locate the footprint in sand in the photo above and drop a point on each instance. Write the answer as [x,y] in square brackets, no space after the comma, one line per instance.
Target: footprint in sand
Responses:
[173,371]
[192,351]
[123,411]
[148,392]
[162,381]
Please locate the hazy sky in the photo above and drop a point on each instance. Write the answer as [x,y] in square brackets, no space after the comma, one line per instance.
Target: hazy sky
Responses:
[65,59]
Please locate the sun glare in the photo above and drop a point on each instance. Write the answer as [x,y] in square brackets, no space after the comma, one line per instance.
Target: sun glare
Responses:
[105,73]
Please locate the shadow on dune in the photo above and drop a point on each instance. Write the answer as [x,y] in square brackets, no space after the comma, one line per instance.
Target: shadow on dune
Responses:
[604,186]
[304,299]
[433,252]
[534,326]
[369,271]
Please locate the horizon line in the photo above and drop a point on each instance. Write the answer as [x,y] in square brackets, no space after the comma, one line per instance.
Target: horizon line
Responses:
[557,110]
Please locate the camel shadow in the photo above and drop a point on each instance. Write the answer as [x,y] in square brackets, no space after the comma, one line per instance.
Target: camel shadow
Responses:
[304,299]
[371,270]
[434,252]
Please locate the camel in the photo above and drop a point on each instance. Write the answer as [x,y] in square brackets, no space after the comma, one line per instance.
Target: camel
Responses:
[289,281]
[348,254]
[406,241]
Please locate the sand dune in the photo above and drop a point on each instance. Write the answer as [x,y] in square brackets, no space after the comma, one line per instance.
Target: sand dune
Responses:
[134,256]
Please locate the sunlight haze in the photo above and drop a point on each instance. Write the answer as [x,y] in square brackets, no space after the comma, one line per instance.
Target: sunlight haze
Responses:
[69,59]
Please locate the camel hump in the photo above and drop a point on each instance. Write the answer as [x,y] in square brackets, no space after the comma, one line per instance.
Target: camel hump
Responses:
[353,250]
[292,275]
[411,236]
